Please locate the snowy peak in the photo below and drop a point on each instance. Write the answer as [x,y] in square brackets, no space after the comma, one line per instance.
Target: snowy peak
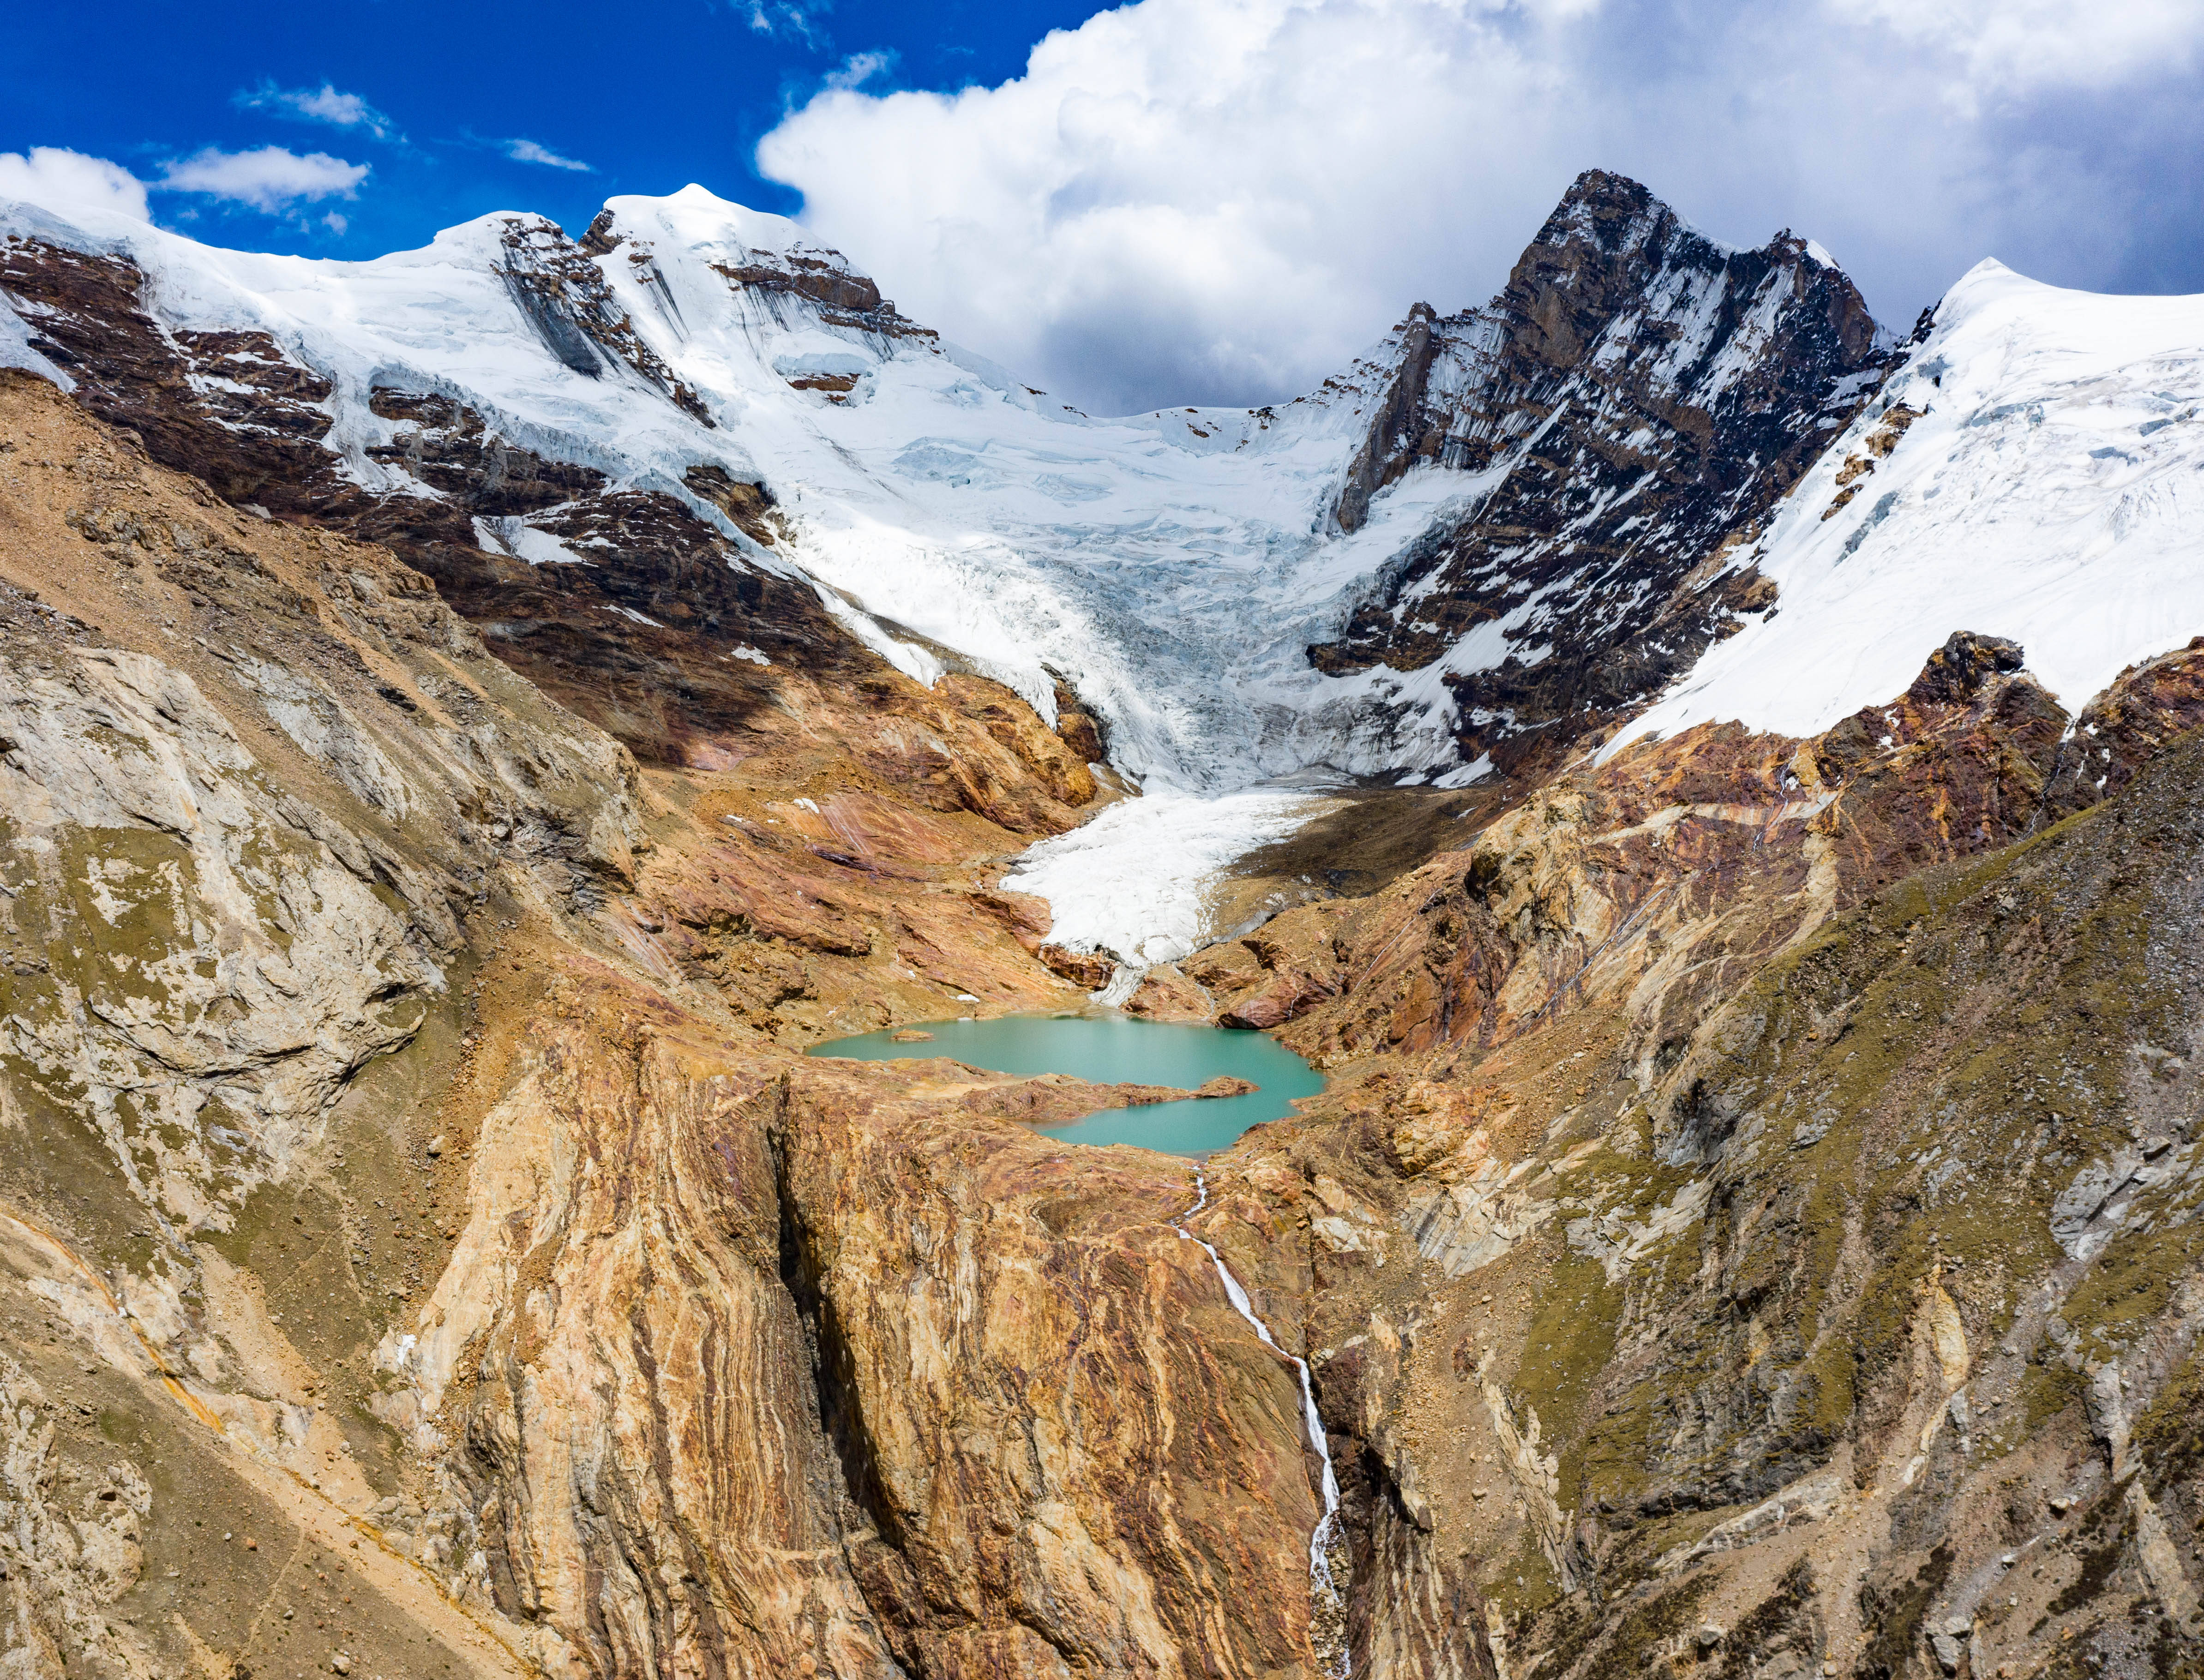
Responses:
[1619,291]
[764,259]
[2034,470]
[1635,397]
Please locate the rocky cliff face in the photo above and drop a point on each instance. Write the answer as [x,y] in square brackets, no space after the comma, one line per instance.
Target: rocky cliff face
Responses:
[1635,401]
[413,1168]
[1761,1179]
[1748,1231]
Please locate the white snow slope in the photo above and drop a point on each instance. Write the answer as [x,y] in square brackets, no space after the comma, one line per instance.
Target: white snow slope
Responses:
[2052,492]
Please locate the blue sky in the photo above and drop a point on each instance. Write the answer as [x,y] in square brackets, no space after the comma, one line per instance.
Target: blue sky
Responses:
[1172,201]
[648,96]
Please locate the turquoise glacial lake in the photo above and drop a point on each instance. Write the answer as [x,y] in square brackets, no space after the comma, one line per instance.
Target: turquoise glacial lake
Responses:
[1118,1050]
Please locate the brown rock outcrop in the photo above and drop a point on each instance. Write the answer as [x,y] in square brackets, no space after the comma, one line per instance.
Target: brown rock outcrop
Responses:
[462,1100]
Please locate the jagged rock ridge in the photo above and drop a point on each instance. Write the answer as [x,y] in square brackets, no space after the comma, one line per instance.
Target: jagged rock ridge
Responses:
[1636,398]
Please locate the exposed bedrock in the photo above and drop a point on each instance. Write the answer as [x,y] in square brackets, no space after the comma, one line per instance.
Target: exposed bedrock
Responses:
[1751,1231]
[413,1152]
[1631,404]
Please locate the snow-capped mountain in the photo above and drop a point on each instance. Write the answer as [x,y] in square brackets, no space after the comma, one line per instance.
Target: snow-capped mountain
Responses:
[691,445]
[2034,470]
[1173,568]
[1170,568]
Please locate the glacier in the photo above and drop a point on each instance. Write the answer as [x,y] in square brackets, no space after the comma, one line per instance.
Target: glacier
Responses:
[1175,568]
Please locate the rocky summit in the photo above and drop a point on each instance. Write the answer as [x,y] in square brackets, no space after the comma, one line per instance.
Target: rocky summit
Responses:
[1714,787]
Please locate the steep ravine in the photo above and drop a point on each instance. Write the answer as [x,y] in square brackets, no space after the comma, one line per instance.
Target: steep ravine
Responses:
[1323,1575]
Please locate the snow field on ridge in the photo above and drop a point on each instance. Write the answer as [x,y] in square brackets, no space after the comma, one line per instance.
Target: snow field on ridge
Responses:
[2052,492]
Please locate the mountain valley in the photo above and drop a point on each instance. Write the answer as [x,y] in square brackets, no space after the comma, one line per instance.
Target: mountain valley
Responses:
[1713,785]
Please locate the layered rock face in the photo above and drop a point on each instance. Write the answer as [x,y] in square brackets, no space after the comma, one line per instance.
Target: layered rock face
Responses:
[1636,398]
[1753,1224]
[1750,1230]
[413,1170]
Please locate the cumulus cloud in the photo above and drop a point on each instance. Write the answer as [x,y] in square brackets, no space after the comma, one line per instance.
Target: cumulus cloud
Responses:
[527,151]
[63,182]
[324,105]
[1221,200]
[270,178]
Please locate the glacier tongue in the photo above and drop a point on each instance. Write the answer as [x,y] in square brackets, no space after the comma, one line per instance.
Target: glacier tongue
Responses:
[1139,881]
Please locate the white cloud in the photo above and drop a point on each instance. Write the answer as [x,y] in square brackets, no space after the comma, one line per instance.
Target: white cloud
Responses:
[2001,46]
[527,151]
[269,179]
[860,67]
[1189,200]
[324,103]
[63,182]
[786,17]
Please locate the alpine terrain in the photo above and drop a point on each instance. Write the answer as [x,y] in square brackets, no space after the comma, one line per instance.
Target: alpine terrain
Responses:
[1713,782]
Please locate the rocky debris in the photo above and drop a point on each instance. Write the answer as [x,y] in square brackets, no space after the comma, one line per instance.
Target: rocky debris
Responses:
[1225,1085]
[817,275]
[750,506]
[1635,400]
[69,1548]
[1090,969]
[2123,729]
[1852,474]
[1165,994]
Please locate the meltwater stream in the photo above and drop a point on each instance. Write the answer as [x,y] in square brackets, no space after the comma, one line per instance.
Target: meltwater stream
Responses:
[1320,1577]
[1109,1048]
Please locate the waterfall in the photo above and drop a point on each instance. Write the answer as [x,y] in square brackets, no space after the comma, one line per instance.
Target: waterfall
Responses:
[1320,1575]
